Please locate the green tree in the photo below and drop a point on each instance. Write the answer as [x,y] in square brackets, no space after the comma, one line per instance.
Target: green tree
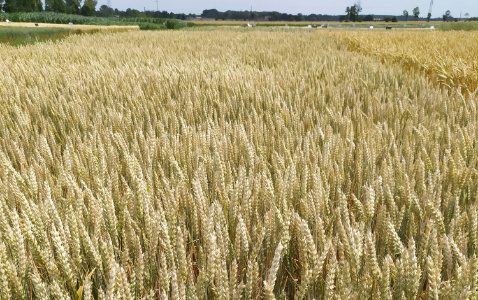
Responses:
[210,13]
[72,6]
[416,13]
[353,12]
[394,19]
[89,7]
[39,5]
[368,18]
[405,14]
[105,11]
[446,16]
[55,6]
[10,6]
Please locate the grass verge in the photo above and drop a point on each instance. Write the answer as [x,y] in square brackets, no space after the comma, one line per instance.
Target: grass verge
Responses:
[465,26]
[26,35]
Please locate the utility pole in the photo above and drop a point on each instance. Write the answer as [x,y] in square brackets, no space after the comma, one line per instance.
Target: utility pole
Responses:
[157,5]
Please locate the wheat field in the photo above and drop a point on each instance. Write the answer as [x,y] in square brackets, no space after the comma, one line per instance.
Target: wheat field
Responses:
[448,58]
[231,164]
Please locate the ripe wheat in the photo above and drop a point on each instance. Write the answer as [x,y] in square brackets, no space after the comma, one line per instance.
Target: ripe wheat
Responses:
[260,164]
[448,58]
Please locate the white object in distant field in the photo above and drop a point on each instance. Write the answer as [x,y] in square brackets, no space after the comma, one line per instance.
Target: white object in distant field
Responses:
[253,25]
[249,25]
[371,27]
[432,27]
[8,21]
[310,26]
[71,24]
[286,25]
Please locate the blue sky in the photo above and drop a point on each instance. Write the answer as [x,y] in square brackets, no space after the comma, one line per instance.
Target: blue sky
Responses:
[394,7]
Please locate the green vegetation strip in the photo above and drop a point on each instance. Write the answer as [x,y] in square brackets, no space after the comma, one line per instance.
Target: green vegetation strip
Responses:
[26,35]
[59,18]
[465,26]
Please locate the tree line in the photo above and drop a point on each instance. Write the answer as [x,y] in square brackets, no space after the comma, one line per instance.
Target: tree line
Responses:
[106,11]
[87,8]
[215,14]
[264,15]
[352,15]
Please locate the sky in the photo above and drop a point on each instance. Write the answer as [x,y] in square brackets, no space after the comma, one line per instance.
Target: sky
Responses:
[378,7]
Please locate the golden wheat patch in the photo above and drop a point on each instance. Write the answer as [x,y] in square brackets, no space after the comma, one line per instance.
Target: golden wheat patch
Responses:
[448,58]
[238,165]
